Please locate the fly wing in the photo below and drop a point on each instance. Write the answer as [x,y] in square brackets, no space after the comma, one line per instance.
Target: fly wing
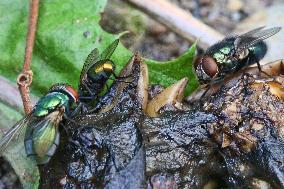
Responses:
[92,58]
[95,56]
[252,37]
[44,134]
[249,33]
[13,132]
[106,54]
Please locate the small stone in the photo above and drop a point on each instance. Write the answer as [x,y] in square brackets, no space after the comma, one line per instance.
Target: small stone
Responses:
[260,184]
[63,181]
[162,181]
[257,127]
[235,5]
[236,16]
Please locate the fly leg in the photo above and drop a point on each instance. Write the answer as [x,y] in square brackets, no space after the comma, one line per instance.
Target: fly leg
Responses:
[81,108]
[87,97]
[70,120]
[209,85]
[65,129]
[89,111]
[91,93]
[259,68]
[246,76]
[258,64]
[64,126]
[85,109]
[92,96]
[204,93]
[78,109]
[69,135]
[121,79]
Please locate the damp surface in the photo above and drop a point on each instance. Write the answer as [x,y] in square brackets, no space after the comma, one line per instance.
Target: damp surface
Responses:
[232,138]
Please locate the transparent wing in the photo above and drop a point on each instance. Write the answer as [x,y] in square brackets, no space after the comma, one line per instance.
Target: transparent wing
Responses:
[245,34]
[13,132]
[92,58]
[249,33]
[252,37]
[44,133]
[106,54]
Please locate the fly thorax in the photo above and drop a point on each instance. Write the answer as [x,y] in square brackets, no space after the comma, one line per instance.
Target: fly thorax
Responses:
[219,57]
[222,55]
[49,103]
[99,69]
[108,66]
[64,92]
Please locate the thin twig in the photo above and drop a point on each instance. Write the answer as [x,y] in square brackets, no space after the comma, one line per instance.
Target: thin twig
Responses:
[10,96]
[24,79]
[179,21]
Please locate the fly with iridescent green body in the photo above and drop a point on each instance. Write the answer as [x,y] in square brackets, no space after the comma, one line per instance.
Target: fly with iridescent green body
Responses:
[97,70]
[42,135]
[232,54]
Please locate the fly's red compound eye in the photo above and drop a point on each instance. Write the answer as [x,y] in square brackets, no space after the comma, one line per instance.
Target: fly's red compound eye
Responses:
[73,92]
[209,66]
[197,61]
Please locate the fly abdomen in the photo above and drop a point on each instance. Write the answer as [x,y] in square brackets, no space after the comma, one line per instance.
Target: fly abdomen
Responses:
[259,50]
[252,55]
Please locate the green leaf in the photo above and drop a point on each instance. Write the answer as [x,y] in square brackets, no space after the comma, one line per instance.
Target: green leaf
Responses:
[24,167]
[67,32]
[167,73]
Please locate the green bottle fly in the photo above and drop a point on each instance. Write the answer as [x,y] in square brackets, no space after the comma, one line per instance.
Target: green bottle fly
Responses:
[96,71]
[232,54]
[42,136]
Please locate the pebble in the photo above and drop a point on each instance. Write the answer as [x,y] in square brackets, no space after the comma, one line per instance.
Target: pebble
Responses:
[235,5]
